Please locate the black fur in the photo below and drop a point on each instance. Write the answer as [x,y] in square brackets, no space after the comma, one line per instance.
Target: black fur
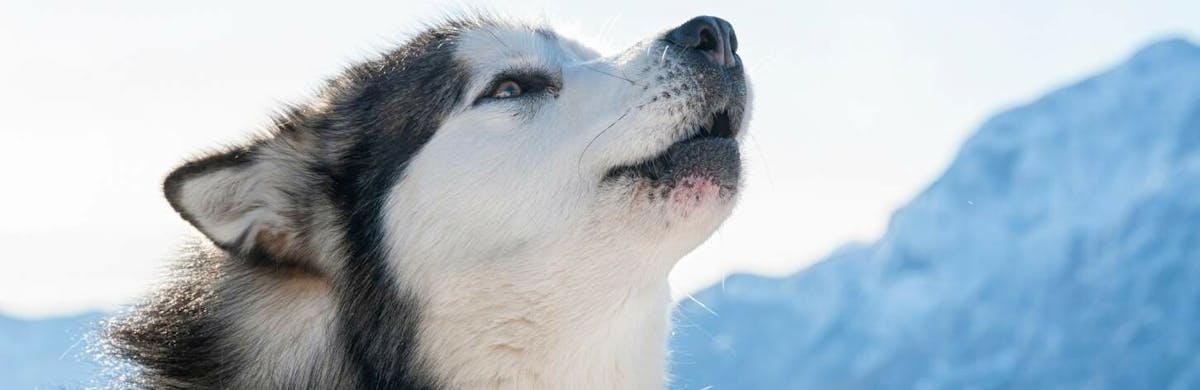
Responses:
[379,115]
[173,337]
[396,113]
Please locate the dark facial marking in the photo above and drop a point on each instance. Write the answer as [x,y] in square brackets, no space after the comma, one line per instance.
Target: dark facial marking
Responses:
[385,110]
[395,111]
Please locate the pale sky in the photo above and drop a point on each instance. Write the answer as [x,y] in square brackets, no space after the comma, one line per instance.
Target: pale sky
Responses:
[859,104]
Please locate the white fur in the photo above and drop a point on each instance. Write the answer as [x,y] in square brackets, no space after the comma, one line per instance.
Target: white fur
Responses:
[236,203]
[531,271]
[298,313]
[531,274]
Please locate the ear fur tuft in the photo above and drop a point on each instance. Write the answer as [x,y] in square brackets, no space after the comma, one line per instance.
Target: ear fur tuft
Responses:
[242,200]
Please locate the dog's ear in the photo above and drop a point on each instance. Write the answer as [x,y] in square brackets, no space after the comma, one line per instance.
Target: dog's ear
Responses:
[243,199]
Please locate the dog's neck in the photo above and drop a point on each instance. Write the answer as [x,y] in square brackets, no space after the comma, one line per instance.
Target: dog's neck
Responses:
[562,321]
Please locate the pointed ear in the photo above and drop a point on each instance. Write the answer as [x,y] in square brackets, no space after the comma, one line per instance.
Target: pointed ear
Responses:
[241,199]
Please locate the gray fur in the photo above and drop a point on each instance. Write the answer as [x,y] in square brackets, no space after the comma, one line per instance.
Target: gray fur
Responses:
[350,145]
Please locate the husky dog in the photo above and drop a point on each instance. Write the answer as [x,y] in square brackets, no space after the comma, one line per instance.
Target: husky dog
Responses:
[490,205]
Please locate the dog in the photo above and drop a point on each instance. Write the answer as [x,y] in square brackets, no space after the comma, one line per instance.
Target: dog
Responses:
[489,205]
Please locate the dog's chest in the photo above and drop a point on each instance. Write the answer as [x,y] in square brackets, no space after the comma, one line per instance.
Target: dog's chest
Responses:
[496,329]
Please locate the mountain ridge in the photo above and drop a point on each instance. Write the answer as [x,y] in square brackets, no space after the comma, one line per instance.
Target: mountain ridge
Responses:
[1052,252]
[1017,267]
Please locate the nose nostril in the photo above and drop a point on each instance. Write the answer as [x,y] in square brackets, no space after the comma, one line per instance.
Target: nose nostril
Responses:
[709,35]
[708,40]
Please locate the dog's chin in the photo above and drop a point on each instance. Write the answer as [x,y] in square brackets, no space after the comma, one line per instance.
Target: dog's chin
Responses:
[708,158]
[711,163]
[696,178]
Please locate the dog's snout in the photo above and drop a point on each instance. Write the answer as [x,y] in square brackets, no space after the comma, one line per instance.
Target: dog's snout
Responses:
[710,35]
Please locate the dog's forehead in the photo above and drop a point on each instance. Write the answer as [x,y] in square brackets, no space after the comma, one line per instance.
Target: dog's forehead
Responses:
[503,46]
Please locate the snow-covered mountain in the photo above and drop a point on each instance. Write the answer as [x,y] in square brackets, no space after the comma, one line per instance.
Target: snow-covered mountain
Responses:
[49,353]
[1060,249]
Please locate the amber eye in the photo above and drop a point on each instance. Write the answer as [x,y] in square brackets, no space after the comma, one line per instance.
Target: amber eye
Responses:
[507,89]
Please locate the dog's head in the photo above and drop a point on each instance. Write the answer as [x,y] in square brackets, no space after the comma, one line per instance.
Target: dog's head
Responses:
[481,140]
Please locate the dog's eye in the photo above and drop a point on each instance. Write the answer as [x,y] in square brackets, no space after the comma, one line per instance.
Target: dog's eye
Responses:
[517,86]
[507,89]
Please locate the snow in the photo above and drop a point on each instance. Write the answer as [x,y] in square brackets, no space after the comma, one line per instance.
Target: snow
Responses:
[1061,249]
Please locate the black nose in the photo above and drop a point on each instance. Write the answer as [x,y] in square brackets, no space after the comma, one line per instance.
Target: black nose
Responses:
[710,35]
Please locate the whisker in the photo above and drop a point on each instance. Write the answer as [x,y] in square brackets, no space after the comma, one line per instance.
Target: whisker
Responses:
[609,74]
[607,29]
[763,157]
[579,163]
[493,34]
[702,305]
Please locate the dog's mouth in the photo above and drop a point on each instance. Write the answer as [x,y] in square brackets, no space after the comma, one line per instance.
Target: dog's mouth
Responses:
[710,151]
[719,126]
